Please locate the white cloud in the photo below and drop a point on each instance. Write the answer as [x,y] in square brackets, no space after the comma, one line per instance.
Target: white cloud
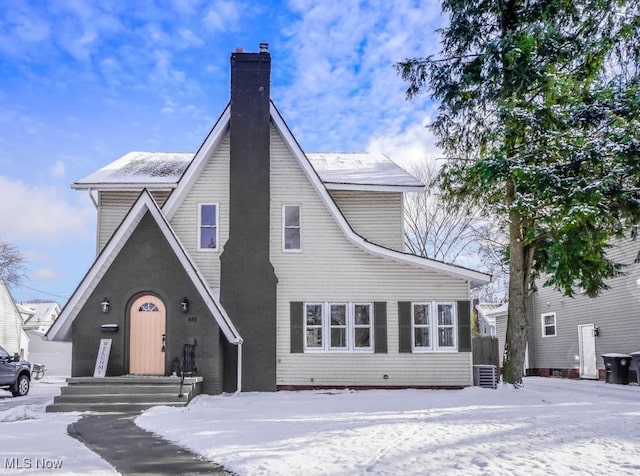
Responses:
[58,169]
[46,274]
[222,16]
[411,146]
[40,214]
[342,87]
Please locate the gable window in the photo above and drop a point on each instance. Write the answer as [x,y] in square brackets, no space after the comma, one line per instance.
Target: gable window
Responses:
[208,226]
[434,326]
[291,236]
[338,327]
[548,324]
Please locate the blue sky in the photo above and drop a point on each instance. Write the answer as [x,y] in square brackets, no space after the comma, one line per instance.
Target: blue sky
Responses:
[84,82]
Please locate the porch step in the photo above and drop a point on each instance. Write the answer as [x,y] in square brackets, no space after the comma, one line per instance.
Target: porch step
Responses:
[123,394]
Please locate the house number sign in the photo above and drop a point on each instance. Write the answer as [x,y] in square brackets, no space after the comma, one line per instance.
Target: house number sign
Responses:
[103,358]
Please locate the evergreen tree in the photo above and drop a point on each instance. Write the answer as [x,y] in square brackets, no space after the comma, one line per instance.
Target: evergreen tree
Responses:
[539,116]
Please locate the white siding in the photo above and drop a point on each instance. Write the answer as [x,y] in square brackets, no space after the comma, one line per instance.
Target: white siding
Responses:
[113,206]
[330,268]
[10,322]
[211,187]
[376,216]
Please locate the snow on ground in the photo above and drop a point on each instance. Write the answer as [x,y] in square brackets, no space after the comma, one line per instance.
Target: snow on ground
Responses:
[552,426]
[35,442]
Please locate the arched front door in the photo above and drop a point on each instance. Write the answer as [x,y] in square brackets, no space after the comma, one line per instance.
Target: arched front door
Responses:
[146,336]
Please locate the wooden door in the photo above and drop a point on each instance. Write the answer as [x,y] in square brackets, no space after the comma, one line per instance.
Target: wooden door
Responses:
[146,336]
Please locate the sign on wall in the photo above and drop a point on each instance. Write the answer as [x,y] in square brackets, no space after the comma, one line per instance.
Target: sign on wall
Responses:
[103,358]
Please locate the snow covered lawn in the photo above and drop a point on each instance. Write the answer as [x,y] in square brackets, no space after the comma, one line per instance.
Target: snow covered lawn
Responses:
[551,427]
[35,442]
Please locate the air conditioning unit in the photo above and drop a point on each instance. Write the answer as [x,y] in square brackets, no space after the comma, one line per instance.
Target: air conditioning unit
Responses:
[485,376]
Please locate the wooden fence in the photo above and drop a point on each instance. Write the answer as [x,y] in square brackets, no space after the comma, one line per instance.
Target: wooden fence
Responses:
[485,351]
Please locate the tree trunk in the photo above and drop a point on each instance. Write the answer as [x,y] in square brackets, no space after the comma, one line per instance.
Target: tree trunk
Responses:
[517,328]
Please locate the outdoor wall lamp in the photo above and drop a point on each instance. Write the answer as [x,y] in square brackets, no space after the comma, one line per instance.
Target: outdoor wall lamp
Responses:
[105,305]
[185,305]
[596,331]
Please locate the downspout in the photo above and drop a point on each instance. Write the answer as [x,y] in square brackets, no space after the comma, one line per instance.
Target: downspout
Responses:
[239,370]
[93,199]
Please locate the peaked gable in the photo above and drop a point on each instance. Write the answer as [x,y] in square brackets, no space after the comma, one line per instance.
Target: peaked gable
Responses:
[145,203]
[213,141]
[475,278]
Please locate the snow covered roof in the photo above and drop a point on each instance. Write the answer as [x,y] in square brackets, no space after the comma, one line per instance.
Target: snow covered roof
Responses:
[343,171]
[137,170]
[338,171]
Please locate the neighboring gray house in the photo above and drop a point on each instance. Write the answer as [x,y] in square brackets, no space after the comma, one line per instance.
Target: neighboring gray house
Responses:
[286,268]
[567,336]
[41,315]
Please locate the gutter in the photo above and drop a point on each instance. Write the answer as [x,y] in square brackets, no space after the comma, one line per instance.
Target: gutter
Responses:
[239,371]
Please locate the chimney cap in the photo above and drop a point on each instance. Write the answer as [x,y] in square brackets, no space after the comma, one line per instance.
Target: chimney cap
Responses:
[264,47]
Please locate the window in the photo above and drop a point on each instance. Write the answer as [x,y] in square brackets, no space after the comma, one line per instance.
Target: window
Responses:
[148,307]
[347,327]
[313,326]
[548,324]
[208,226]
[433,331]
[291,228]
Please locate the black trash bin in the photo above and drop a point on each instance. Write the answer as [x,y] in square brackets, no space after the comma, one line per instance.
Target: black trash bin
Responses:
[616,368]
[635,362]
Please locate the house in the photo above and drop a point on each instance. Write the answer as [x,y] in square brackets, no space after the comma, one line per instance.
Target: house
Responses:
[55,356]
[41,315]
[568,335]
[12,337]
[486,317]
[284,269]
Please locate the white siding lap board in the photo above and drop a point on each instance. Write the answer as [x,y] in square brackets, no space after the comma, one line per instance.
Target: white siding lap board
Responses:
[113,206]
[376,216]
[332,269]
[211,186]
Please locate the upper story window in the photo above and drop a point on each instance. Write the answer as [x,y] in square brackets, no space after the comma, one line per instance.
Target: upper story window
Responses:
[434,326]
[548,324]
[291,236]
[208,226]
[338,326]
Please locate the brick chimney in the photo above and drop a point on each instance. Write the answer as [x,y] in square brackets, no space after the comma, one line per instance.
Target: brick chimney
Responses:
[247,278]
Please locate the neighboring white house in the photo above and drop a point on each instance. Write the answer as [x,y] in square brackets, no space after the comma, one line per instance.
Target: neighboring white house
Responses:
[55,356]
[12,337]
[41,315]
[486,317]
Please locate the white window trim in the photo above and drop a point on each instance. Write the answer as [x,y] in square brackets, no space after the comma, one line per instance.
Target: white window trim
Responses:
[217,248]
[322,327]
[326,328]
[284,227]
[414,347]
[434,346]
[346,326]
[543,326]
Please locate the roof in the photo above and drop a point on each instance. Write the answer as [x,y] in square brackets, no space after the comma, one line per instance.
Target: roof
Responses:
[137,170]
[61,329]
[343,171]
[338,171]
[42,313]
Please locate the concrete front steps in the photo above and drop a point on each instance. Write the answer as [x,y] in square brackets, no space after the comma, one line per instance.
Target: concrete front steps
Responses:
[124,394]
